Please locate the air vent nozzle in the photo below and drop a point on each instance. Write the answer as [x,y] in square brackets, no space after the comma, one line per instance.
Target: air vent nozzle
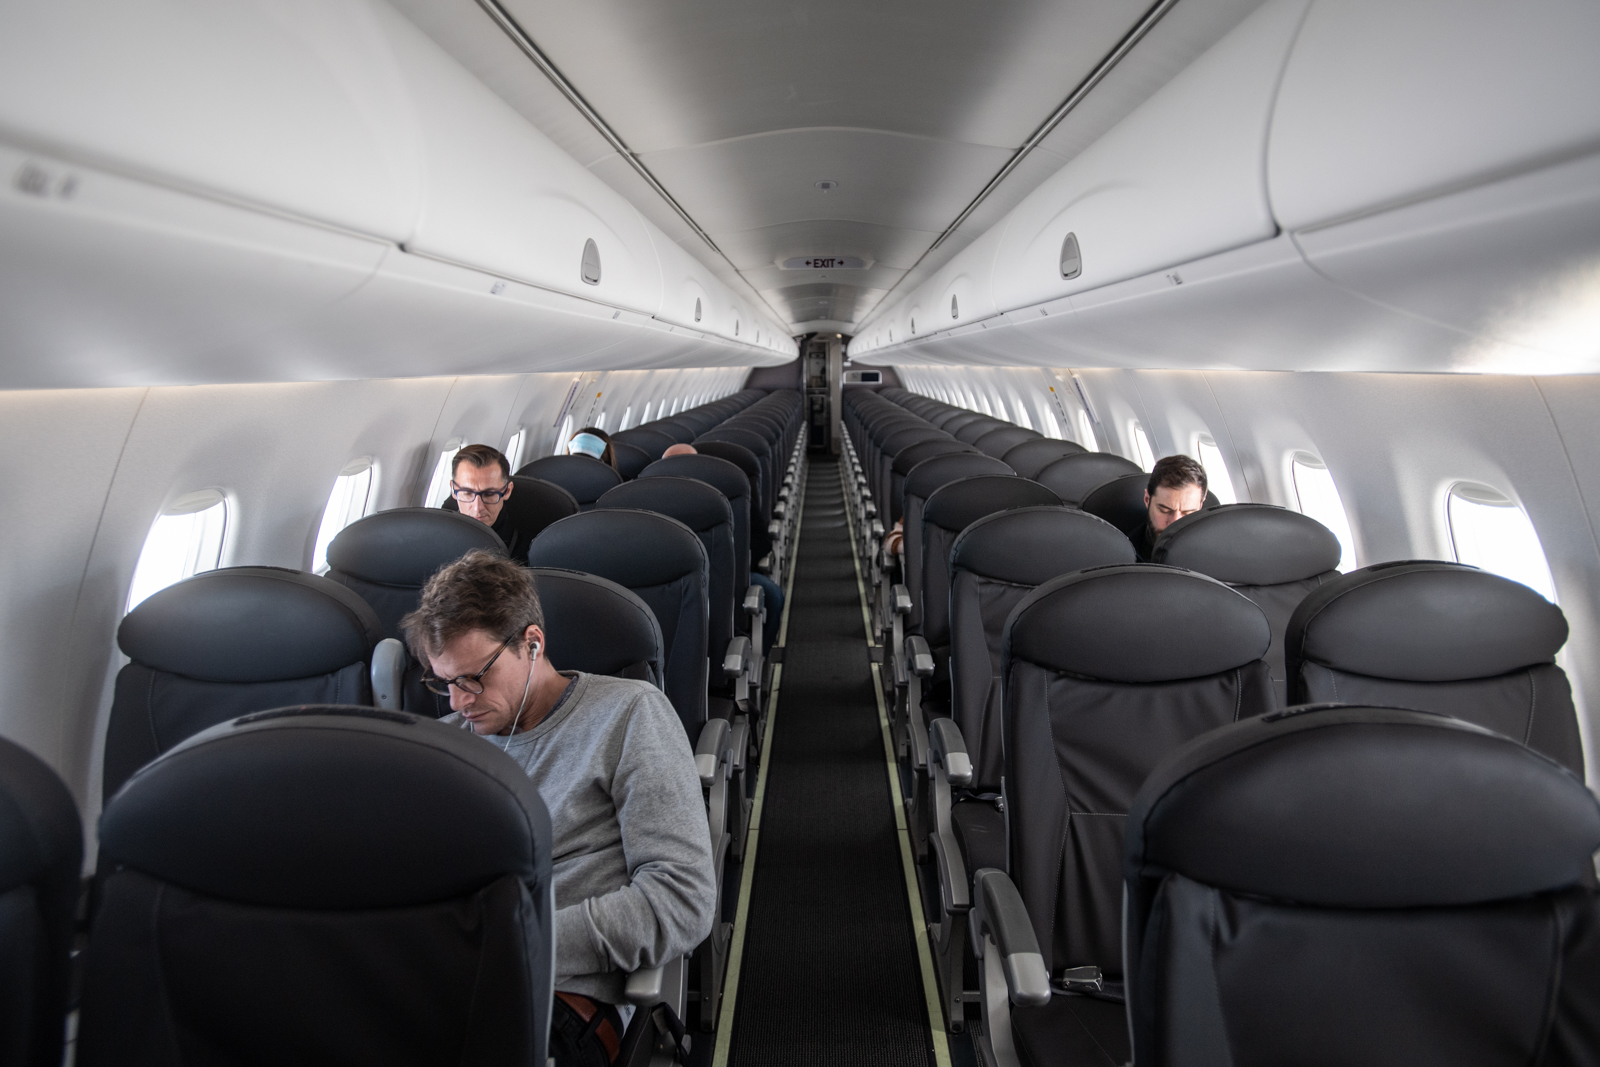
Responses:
[1071,258]
[590,271]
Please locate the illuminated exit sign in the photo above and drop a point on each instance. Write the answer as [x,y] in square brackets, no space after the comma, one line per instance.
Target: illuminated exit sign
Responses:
[825,263]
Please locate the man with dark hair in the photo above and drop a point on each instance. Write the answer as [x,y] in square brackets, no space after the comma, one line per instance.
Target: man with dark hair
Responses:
[1177,487]
[480,483]
[634,882]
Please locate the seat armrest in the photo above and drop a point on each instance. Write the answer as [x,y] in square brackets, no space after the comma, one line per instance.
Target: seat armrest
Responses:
[752,600]
[948,748]
[919,658]
[737,659]
[644,986]
[901,600]
[877,529]
[388,674]
[709,749]
[774,528]
[1002,916]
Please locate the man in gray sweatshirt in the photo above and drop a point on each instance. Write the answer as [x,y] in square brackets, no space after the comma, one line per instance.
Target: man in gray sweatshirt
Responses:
[634,882]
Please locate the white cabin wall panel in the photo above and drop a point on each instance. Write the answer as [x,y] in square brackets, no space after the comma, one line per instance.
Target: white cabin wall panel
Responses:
[1389,100]
[291,104]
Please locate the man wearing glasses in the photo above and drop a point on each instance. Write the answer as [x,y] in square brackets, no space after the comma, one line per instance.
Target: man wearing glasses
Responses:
[634,883]
[480,483]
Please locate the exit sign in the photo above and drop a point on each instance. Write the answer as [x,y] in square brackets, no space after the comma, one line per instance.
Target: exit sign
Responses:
[825,263]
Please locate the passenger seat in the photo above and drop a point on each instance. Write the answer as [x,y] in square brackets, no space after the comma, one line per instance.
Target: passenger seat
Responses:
[1442,637]
[1072,477]
[585,477]
[1120,501]
[533,504]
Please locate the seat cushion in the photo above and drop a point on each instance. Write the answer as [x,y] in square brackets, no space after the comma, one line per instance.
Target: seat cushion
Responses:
[981,834]
[1072,1031]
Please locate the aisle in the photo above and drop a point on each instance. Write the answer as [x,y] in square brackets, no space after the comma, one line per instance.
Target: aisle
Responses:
[830,973]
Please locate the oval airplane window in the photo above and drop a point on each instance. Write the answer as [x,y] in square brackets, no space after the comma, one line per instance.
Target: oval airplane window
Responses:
[185,540]
[1317,497]
[439,484]
[352,492]
[590,269]
[1086,436]
[514,448]
[1490,531]
[627,416]
[1143,454]
[1210,457]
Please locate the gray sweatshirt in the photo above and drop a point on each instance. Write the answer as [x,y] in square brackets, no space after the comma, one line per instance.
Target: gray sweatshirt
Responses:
[634,883]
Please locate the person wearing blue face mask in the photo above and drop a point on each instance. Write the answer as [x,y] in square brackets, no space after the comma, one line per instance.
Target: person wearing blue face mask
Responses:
[593,442]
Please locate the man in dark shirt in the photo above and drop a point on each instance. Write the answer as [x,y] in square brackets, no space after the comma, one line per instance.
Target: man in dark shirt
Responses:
[1177,487]
[480,482]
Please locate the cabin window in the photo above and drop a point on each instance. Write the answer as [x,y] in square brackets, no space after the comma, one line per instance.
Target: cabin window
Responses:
[1317,497]
[563,436]
[514,447]
[186,540]
[627,416]
[1086,436]
[439,484]
[1143,454]
[600,421]
[1050,426]
[352,491]
[1210,457]
[1020,407]
[1490,531]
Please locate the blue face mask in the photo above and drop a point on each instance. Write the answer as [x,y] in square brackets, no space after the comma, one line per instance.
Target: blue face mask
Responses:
[587,444]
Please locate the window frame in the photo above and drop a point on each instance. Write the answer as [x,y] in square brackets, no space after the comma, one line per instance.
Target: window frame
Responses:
[1479,495]
[1313,462]
[198,502]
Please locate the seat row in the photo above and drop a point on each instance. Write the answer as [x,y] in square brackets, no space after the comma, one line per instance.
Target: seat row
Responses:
[1044,675]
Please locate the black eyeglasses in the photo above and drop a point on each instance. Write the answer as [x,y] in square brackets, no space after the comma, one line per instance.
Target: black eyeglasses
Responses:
[489,496]
[467,683]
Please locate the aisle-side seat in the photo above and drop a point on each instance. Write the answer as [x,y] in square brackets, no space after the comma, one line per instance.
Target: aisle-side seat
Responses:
[1106,672]
[1362,885]
[1003,439]
[1072,477]
[387,558]
[41,858]
[1435,636]
[1272,555]
[596,626]
[1034,455]
[585,477]
[322,885]
[906,460]
[533,504]
[236,640]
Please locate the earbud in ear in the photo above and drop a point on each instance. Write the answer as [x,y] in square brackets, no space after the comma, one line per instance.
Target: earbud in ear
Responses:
[533,650]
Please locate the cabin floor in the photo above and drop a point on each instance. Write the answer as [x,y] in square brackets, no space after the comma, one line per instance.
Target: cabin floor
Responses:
[830,964]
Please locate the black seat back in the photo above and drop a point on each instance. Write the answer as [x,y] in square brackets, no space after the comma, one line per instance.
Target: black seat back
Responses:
[1003,439]
[227,642]
[662,562]
[1120,501]
[952,508]
[745,460]
[731,482]
[1071,477]
[922,482]
[760,446]
[650,441]
[881,473]
[1035,454]
[631,459]
[970,432]
[706,511]
[41,858]
[387,558]
[1443,637]
[908,458]
[594,625]
[1272,555]
[323,885]
[533,504]
[994,563]
[1362,885]
[1108,670]
[585,477]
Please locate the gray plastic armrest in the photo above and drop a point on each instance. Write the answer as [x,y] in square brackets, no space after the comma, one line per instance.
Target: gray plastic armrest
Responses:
[949,749]
[877,528]
[752,600]
[644,987]
[1003,916]
[708,751]
[919,658]
[902,600]
[774,528]
[737,659]
[388,674]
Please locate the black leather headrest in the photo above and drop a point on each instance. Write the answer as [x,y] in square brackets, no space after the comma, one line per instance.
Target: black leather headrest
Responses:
[758,444]
[41,839]
[329,808]
[1424,621]
[1003,439]
[716,472]
[533,504]
[979,427]
[1136,623]
[585,477]
[910,456]
[737,454]
[930,474]
[250,624]
[1029,546]
[595,625]
[630,458]
[407,546]
[691,501]
[1034,455]
[651,442]
[958,504]
[1120,501]
[634,548]
[886,426]
[1361,807]
[1249,544]
[906,436]
[1071,477]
